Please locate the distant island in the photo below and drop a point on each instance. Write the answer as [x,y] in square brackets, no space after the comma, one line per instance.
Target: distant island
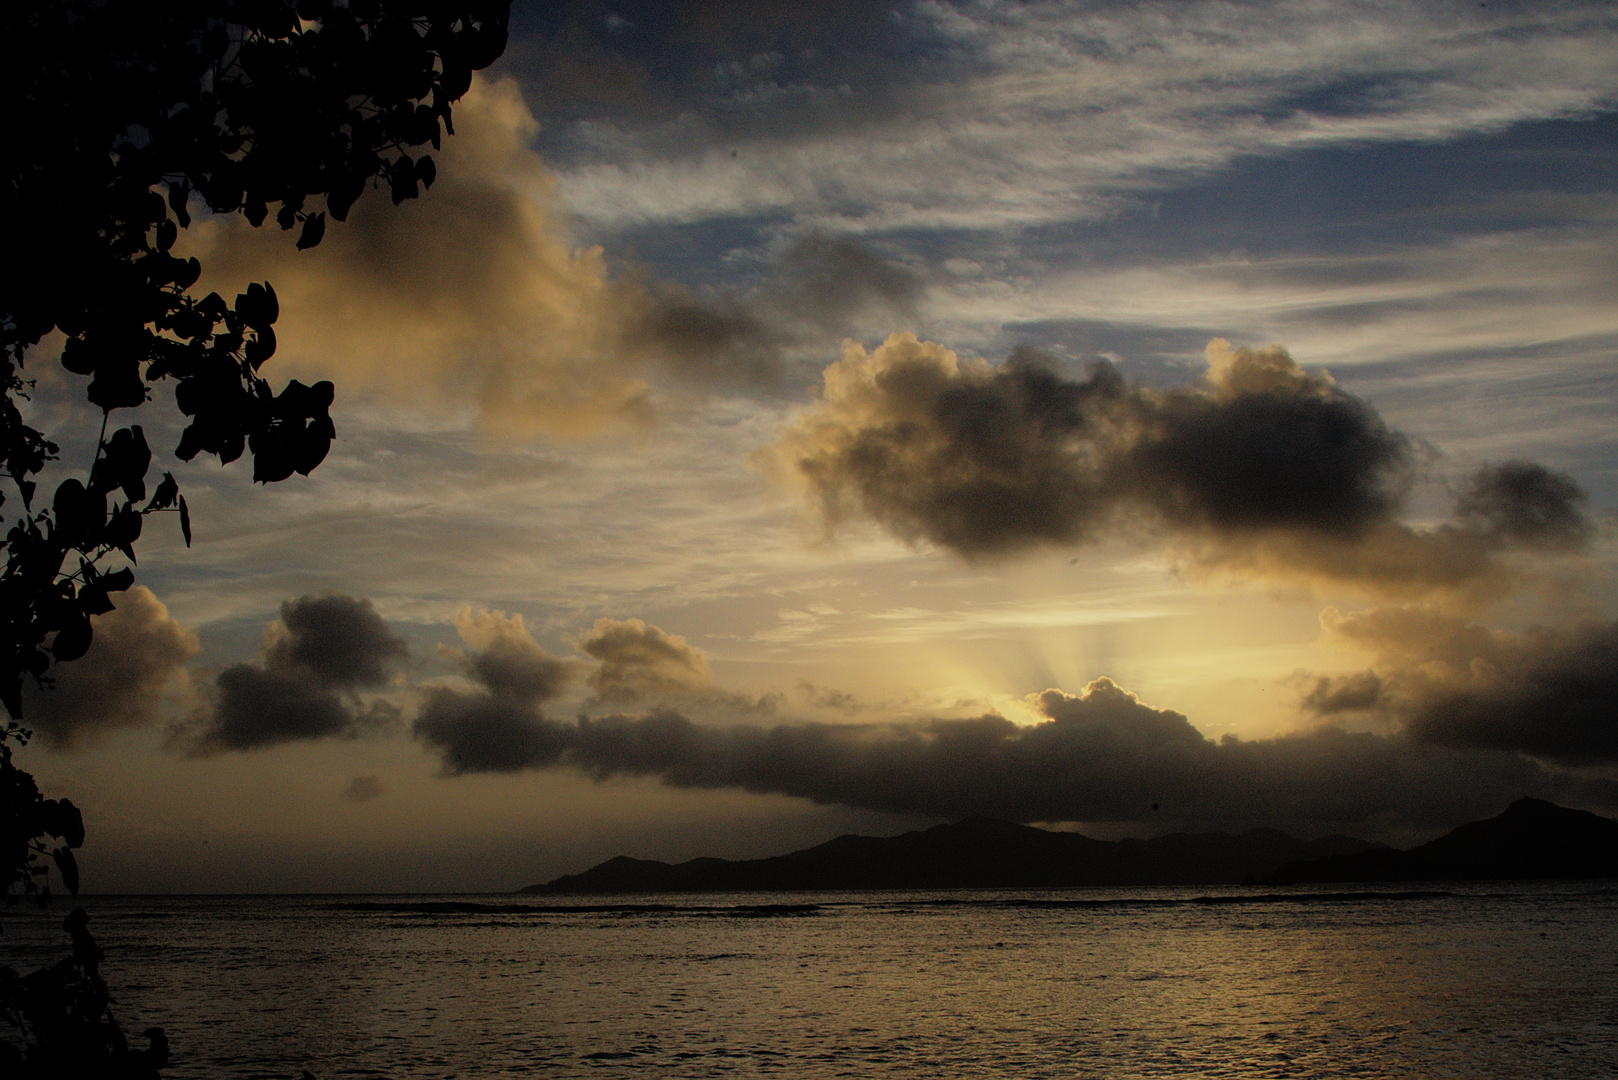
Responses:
[1532,839]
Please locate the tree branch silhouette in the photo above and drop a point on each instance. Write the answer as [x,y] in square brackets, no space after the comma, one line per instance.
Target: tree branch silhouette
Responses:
[129,117]
[126,119]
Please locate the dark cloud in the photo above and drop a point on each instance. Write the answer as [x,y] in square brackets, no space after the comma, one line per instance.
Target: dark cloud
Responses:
[1548,691]
[481,732]
[499,726]
[757,67]
[827,698]
[1389,558]
[1263,446]
[137,649]
[341,640]
[259,707]
[1100,756]
[507,661]
[1331,696]
[1263,467]
[1105,707]
[316,657]
[1555,694]
[988,460]
[1523,503]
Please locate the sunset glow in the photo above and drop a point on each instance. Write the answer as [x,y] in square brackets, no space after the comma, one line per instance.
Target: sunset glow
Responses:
[1145,416]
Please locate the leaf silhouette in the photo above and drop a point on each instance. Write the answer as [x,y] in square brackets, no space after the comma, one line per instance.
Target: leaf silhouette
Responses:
[314,228]
[68,867]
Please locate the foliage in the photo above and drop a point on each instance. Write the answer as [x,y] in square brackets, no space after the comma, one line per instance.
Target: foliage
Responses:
[61,1014]
[27,821]
[127,118]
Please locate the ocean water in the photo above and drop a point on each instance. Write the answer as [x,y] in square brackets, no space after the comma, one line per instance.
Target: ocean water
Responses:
[1489,981]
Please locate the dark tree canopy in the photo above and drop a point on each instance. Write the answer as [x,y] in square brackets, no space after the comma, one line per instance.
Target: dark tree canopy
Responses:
[128,117]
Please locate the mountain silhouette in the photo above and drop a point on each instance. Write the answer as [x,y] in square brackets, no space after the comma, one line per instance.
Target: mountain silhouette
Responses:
[1532,839]
[979,853]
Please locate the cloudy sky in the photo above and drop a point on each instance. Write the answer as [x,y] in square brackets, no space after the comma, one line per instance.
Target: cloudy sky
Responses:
[777,423]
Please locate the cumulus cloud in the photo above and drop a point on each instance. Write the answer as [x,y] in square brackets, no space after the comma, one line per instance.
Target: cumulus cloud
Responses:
[1546,691]
[1101,755]
[340,640]
[499,726]
[507,661]
[483,732]
[641,661]
[1262,467]
[1331,695]
[988,460]
[1525,504]
[137,650]
[474,296]
[470,297]
[315,659]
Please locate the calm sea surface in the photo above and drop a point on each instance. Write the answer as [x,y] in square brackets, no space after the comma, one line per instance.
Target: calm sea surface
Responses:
[1488,981]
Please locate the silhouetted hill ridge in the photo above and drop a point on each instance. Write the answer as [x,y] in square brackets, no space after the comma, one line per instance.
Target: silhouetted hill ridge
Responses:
[975,853]
[1532,839]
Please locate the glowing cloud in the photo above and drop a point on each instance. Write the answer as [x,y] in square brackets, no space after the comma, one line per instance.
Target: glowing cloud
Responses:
[137,650]
[468,297]
[640,661]
[474,298]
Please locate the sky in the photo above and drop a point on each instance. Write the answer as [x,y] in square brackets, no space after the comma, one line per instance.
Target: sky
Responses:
[782,420]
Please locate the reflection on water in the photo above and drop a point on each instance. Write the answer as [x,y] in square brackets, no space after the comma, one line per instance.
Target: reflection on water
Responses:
[1507,980]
